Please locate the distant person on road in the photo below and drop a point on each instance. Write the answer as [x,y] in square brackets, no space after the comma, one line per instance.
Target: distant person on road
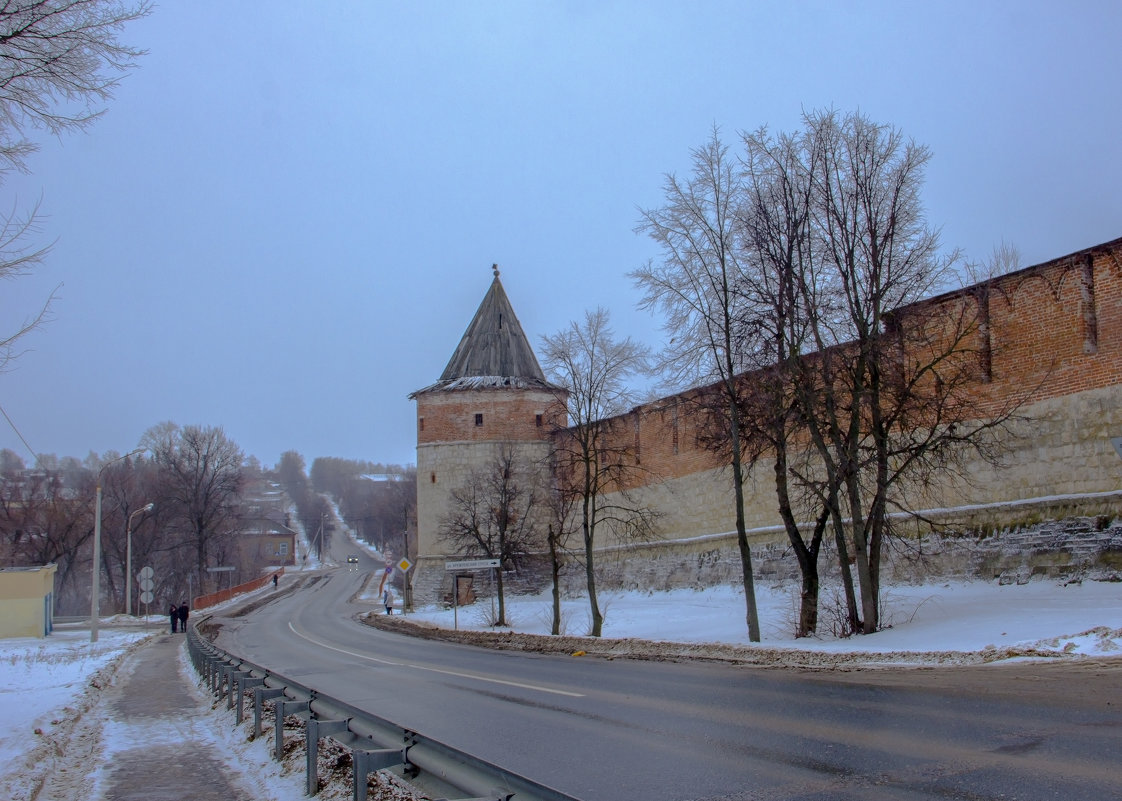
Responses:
[183,611]
[274,581]
[387,600]
[173,613]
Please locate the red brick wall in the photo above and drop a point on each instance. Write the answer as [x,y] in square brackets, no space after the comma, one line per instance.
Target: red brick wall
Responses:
[507,415]
[1055,330]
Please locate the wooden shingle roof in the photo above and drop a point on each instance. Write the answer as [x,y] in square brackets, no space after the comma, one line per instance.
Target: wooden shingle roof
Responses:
[494,352]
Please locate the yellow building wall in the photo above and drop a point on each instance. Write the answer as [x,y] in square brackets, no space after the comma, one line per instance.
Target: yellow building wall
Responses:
[24,596]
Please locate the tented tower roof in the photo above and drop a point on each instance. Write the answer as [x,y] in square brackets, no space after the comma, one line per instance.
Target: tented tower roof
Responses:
[494,351]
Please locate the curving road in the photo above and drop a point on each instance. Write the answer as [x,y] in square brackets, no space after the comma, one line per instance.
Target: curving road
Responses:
[605,730]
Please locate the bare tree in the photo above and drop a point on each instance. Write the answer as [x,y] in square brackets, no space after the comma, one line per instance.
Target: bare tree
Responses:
[201,481]
[780,292]
[559,533]
[888,396]
[593,366]
[496,514]
[695,284]
[59,61]
[43,520]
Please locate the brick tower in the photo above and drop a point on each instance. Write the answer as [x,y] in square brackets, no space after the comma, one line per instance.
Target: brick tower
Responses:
[493,393]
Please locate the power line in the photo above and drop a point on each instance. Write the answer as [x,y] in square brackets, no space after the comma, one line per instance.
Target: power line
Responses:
[34,455]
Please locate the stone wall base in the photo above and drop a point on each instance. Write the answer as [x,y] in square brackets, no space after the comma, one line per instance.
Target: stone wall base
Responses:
[1004,542]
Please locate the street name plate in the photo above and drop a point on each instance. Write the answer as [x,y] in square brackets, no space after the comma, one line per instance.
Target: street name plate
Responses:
[471,564]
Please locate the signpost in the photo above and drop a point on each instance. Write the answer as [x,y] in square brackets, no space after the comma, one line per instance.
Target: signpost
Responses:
[145,580]
[468,564]
[222,569]
[472,564]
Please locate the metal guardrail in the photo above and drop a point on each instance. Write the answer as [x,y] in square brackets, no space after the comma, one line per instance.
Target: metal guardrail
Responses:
[375,743]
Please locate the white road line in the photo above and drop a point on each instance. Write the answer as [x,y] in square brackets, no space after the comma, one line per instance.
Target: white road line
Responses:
[535,687]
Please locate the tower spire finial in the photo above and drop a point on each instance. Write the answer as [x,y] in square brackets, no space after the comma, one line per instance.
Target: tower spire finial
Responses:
[495,270]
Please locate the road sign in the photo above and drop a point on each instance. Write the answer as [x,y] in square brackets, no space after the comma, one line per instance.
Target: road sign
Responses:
[146,597]
[404,565]
[147,584]
[225,569]
[145,573]
[472,564]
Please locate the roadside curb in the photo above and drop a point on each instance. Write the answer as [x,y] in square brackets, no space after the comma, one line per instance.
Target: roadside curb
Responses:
[746,655]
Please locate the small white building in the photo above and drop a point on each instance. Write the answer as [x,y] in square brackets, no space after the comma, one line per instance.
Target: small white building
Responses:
[27,601]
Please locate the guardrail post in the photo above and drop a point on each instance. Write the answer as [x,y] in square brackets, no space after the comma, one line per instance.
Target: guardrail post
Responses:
[366,762]
[231,678]
[221,670]
[285,708]
[260,695]
[209,668]
[244,683]
[317,729]
[231,689]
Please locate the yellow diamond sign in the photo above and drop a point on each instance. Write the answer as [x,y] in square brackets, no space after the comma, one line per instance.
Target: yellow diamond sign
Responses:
[404,565]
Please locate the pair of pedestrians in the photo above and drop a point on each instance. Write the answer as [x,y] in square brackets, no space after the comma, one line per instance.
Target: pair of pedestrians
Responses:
[178,615]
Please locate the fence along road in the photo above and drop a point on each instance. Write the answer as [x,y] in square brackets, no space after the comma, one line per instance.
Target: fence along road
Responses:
[374,743]
[603,730]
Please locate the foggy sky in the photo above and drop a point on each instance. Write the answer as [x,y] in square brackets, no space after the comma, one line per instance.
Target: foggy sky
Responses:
[288,215]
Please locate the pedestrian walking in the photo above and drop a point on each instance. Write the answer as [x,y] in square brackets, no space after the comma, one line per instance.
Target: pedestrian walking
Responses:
[182,613]
[387,600]
[274,581]
[173,613]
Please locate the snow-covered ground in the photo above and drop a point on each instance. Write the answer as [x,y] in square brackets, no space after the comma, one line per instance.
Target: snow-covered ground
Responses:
[963,616]
[46,682]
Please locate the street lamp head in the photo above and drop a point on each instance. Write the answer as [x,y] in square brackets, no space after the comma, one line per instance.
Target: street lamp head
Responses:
[149,507]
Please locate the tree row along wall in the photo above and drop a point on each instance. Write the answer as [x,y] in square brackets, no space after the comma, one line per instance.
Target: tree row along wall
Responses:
[1052,337]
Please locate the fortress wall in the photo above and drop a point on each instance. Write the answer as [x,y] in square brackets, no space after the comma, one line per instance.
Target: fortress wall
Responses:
[1054,343]
[1049,335]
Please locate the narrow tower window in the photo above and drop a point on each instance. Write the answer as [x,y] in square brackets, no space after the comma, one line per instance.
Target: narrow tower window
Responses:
[479,418]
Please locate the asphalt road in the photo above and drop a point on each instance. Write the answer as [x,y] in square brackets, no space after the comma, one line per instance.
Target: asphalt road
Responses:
[605,730]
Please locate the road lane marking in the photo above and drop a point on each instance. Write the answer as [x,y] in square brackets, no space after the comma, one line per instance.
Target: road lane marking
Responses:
[458,674]
[537,687]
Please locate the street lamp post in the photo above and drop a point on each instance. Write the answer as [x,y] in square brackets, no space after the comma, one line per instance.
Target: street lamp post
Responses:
[128,556]
[95,599]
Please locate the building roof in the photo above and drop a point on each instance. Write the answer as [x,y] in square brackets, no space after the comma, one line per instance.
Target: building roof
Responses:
[494,353]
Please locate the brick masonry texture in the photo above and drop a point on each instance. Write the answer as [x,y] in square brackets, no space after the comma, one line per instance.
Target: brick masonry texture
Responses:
[1053,341]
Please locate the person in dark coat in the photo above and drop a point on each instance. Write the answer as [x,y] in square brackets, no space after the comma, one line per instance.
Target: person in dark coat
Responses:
[173,613]
[183,617]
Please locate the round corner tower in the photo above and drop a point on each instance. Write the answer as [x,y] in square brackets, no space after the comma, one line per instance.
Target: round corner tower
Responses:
[492,394]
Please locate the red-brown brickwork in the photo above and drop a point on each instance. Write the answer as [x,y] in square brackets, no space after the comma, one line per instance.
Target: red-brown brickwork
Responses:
[487,416]
[1052,330]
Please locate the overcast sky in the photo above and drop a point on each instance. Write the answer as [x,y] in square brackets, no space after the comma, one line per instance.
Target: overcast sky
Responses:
[288,215]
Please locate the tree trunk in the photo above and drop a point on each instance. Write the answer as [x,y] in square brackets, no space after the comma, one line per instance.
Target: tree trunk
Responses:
[590,578]
[501,620]
[752,615]
[555,574]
